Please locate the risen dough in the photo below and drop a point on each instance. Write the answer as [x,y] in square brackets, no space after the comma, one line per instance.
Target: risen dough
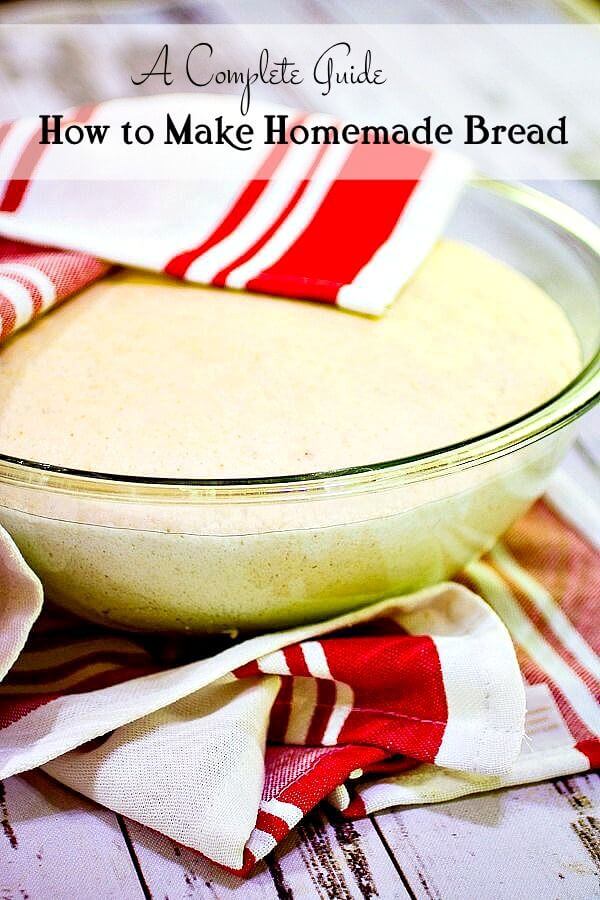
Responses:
[139,375]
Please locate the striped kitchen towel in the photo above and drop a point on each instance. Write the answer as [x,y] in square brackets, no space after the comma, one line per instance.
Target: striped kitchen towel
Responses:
[33,279]
[342,223]
[417,699]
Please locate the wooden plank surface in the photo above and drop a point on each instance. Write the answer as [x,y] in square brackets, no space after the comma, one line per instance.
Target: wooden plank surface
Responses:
[325,858]
[538,842]
[54,844]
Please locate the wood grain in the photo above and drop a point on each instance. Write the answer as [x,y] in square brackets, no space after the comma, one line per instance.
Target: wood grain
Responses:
[325,858]
[536,842]
[55,844]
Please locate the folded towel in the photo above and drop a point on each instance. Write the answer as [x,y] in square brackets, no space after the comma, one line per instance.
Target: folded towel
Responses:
[338,223]
[225,745]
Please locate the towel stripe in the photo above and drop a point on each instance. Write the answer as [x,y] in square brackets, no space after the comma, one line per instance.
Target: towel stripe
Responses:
[354,219]
[179,265]
[27,163]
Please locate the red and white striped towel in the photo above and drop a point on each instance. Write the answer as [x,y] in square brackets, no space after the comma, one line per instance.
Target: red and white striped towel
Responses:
[33,279]
[339,223]
[413,700]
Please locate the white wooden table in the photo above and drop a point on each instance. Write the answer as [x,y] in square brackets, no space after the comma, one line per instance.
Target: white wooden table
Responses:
[540,841]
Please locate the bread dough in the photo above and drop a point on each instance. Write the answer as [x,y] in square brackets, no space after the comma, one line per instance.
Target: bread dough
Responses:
[140,375]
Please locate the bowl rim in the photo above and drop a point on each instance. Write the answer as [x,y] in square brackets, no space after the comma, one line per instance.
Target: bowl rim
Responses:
[576,398]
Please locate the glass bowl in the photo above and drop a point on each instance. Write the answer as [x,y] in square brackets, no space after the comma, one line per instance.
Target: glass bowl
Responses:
[223,555]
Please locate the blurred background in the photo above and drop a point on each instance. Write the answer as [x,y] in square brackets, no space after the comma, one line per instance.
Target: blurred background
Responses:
[500,73]
[418,11]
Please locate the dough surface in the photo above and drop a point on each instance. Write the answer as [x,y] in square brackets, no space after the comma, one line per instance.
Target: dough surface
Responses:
[140,375]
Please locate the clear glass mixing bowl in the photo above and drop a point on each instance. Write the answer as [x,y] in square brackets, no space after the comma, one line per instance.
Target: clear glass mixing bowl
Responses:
[217,555]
